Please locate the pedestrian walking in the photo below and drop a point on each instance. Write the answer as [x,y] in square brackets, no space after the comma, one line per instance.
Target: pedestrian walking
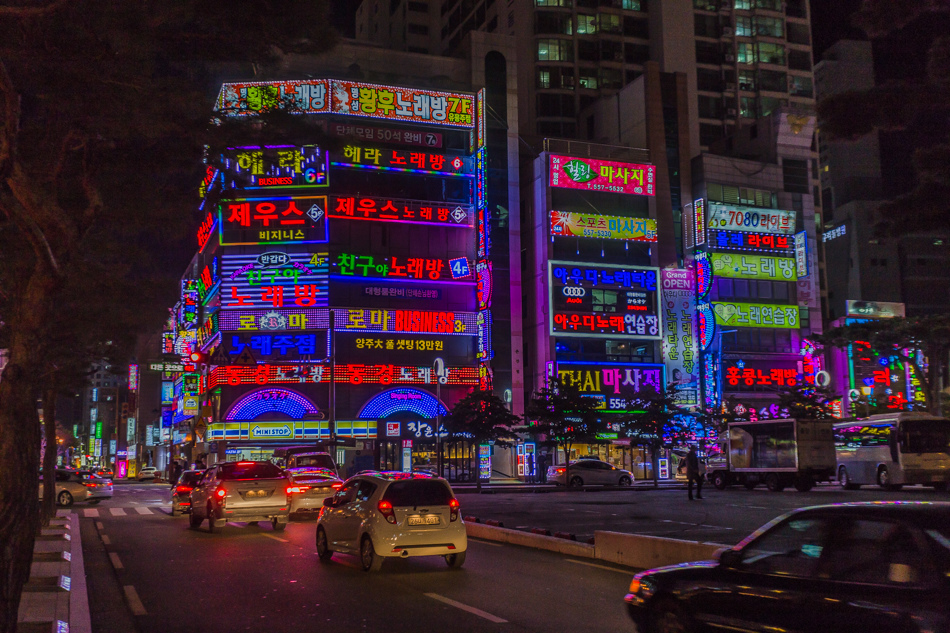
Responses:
[176,474]
[543,468]
[693,474]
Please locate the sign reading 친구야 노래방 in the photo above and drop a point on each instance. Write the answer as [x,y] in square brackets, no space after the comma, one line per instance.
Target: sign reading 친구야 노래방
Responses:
[601,175]
[405,160]
[290,220]
[742,266]
[351,320]
[617,386]
[281,167]
[756,315]
[611,227]
[678,304]
[603,301]
[770,243]
[734,217]
[397,268]
[394,210]
[274,280]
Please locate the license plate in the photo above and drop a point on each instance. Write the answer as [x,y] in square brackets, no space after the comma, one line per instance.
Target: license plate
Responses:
[426,520]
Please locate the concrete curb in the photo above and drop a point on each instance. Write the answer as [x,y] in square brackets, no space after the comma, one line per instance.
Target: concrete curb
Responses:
[527,539]
[79,618]
[547,488]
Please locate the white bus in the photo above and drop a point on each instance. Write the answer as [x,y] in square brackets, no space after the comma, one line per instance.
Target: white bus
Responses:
[892,450]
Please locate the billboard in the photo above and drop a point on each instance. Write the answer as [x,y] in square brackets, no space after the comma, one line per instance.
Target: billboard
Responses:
[678,302]
[739,266]
[352,373]
[771,243]
[274,279]
[735,217]
[353,320]
[417,162]
[396,210]
[603,301]
[309,96]
[617,386]
[592,174]
[400,268]
[611,227]
[275,167]
[755,315]
[874,309]
[271,220]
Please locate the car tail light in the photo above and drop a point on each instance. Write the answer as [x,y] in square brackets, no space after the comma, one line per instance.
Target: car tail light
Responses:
[386,509]
[337,486]
[453,509]
[183,489]
[559,470]
[219,494]
[298,489]
[88,485]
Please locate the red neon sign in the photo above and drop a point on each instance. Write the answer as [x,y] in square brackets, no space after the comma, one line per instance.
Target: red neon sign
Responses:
[391,210]
[353,374]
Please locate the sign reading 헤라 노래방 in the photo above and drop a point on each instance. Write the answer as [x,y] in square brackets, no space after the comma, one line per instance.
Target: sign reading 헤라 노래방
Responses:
[601,175]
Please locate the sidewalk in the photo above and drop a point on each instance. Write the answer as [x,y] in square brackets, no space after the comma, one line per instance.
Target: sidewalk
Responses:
[500,485]
[55,598]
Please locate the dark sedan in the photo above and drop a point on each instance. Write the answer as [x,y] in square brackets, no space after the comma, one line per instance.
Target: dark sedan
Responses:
[882,567]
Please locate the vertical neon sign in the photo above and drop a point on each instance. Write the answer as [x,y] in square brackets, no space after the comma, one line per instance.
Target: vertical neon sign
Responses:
[699,218]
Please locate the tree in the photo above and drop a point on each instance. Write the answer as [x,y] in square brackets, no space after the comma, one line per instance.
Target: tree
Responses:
[103,116]
[563,414]
[661,419]
[481,417]
[899,105]
[805,402]
[902,337]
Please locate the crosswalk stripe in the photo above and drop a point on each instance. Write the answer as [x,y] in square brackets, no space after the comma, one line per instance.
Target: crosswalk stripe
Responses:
[90,512]
[143,510]
[117,512]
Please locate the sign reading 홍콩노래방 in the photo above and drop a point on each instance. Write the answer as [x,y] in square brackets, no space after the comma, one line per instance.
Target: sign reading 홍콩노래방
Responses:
[759,375]
[601,175]
[742,266]
[756,315]
[566,224]
[734,217]
[282,167]
[394,210]
[351,320]
[292,219]
[274,279]
[617,386]
[603,301]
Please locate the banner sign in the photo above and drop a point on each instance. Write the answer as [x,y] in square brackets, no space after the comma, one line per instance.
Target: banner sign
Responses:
[756,315]
[874,309]
[372,134]
[601,175]
[274,279]
[678,297]
[801,254]
[393,210]
[436,164]
[281,347]
[309,96]
[738,266]
[398,268]
[611,227]
[734,217]
[456,350]
[757,242]
[353,320]
[290,219]
[759,375]
[617,386]
[603,301]
[281,167]
[353,374]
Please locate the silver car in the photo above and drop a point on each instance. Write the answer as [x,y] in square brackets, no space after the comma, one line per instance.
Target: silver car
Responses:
[79,485]
[586,472]
[241,491]
[310,488]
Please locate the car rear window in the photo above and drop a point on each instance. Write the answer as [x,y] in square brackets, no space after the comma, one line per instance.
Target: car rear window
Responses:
[249,470]
[418,492]
[190,479]
[315,461]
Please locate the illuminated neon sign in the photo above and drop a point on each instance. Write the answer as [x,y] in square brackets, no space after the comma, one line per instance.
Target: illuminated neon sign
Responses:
[274,280]
[398,400]
[282,347]
[279,167]
[483,286]
[739,266]
[757,242]
[263,401]
[393,210]
[734,217]
[617,386]
[610,227]
[834,233]
[755,375]
[481,179]
[133,377]
[208,280]
[309,96]
[401,292]
[204,231]
[404,268]
[603,301]
[601,175]
[358,346]
[353,374]
[678,297]
[699,221]
[273,220]
[703,274]
[801,254]
[756,315]
[352,319]
[402,160]
[188,306]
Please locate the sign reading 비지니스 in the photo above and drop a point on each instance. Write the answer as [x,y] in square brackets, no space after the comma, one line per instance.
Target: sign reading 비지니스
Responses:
[740,266]
[611,227]
[734,217]
[602,175]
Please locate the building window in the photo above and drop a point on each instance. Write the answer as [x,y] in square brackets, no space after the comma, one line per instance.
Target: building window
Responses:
[586,24]
[708,53]
[555,77]
[767,53]
[771,5]
[706,5]
[773,80]
[544,78]
[743,26]
[745,53]
[744,5]
[552,3]
[799,60]
[768,105]
[556,105]
[587,78]
[636,53]
[547,22]
[710,107]
[740,195]
[747,80]
[709,134]
[421,7]
[609,23]
[769,27]
[748,108]
[795,175]
[798,34]
[611,78]
[611,51]
[417,29]
[800,86]
[707,79]
[555,50]
[633,5]
[636,27]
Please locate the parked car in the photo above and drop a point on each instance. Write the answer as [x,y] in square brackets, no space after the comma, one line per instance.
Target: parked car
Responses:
[310,487]
[589,472]
[854,567]
[104,473]
[383,515]
[147,473]
[181,492]
[241,491]
[76,485]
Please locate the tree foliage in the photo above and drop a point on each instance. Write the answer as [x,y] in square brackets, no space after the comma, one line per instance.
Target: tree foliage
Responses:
[661,421]
[481,417]
[806,402]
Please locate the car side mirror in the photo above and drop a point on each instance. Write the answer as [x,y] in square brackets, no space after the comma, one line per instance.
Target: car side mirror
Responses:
[328,502]
[730,558]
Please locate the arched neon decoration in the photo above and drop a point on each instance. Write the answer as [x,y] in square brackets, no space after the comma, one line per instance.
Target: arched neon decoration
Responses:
[401,400]
[252,405]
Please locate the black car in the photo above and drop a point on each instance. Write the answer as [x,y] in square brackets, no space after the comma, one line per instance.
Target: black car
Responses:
[181,491]
[862,567]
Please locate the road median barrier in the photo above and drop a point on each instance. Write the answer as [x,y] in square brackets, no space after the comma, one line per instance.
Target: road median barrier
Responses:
[471,519]
[494,523]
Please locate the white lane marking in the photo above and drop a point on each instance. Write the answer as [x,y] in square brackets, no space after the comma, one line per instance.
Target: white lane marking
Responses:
[106,540]
[143,510]
[276,538]
[465,607]
[115,560]
[134,602]
[117,512]
[584,562]
[90,512]
[478,540]
[100,526]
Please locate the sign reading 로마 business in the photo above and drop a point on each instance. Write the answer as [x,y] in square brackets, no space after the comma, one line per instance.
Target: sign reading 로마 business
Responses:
[603,301]
[756,315]
[741,266]
[611,227]
[601,175]
[734,217]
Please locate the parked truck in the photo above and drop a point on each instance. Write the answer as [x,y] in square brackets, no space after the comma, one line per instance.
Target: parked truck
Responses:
[778,453]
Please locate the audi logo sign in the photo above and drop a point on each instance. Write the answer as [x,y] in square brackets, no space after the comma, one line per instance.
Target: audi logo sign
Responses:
[573,291]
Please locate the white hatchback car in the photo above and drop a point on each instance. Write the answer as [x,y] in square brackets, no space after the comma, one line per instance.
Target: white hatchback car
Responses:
[381,515]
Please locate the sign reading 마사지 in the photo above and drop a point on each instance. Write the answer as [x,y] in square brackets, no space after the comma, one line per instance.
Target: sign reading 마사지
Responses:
[601,175]
[611,227]
[617,386]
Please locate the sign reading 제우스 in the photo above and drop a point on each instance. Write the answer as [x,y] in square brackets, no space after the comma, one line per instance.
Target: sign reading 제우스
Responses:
[602,175]
[611,227]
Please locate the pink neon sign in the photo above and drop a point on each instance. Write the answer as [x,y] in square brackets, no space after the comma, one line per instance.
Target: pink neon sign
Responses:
[602,175]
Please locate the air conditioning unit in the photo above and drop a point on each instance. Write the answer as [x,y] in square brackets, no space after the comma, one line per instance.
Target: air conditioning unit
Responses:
[729,57]
[731,112]
[727,31]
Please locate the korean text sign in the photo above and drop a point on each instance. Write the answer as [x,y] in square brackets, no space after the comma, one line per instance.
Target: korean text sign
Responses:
[406,160]
[755,315]
[393,268]
[280,167]
[741,266]
[395,210]
[758,242]
[308,96]
[602,175]
[603,301]
[353,373]
[352,320]
[734,217]
[274,280]
[678,297]
[284,347]
[611,227]
[403,104]
[273,220]
[759,375]
[616,385]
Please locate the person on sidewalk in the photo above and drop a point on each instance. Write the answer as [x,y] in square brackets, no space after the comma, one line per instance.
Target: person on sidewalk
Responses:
[693,474]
